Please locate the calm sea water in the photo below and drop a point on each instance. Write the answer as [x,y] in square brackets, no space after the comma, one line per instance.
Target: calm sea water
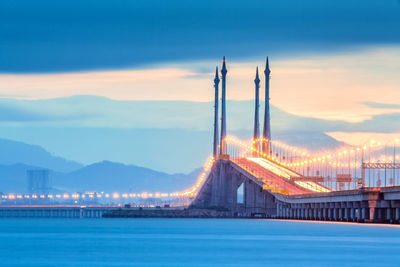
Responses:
[194,242]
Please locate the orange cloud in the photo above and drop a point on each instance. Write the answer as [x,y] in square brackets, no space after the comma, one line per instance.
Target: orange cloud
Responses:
[321,86]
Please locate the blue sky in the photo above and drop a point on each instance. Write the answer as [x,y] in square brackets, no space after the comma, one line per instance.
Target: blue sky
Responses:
[335,66]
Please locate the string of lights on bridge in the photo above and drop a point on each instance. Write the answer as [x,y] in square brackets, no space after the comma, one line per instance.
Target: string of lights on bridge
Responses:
[332,158]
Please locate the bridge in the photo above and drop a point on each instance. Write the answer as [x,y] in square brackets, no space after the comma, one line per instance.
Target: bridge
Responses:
[266,178]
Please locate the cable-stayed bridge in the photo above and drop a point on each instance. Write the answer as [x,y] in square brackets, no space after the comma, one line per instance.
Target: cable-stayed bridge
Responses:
[266,178]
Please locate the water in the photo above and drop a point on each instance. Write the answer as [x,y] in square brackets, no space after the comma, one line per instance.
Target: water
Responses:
[194,242]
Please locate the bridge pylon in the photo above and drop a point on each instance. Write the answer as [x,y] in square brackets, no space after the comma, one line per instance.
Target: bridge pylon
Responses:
[266,148]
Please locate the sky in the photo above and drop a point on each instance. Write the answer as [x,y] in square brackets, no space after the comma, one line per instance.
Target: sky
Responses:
[335,62]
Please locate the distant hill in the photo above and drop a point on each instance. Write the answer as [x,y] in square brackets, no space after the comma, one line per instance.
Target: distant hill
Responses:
[110,176]
[13,152]
[103,176]
[17,157]
[13,178]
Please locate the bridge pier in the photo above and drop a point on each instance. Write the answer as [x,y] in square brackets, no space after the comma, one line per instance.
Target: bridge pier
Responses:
[220,191]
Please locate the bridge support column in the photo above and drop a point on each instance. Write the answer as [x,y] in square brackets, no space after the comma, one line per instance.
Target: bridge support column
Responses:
[363,214]
[397,216]
[372,213]
[389,214]
[352,214]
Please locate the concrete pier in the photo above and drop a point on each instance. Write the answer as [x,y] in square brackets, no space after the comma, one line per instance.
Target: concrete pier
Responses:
[220,191]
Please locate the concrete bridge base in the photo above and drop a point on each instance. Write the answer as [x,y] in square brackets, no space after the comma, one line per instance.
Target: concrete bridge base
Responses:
[222,191]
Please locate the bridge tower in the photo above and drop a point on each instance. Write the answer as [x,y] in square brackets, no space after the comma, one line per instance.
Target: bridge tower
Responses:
[223,109]
[256,135]
[216,83]
[267,118]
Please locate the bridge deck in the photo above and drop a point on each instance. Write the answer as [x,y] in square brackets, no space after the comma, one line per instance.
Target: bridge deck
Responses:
[278,177]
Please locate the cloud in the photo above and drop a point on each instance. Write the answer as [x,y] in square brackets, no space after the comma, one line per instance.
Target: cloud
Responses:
[382,105]
[360,138]
[59,36]
[340,86]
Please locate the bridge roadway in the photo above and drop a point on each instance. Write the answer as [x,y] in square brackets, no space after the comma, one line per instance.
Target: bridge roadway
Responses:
[220,191]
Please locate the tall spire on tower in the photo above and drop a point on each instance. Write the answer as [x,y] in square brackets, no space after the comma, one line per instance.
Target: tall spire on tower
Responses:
[216,82]
[256,135]
[223,108]
[267,117]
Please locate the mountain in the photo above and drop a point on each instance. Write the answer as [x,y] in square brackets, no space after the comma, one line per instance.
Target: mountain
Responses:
[102,176]
[13,178]
[13,152]
[16,158]
[111,176]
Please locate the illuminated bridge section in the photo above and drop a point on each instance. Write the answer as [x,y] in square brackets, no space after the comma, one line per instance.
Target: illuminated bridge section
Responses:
[291,175]
[277,178]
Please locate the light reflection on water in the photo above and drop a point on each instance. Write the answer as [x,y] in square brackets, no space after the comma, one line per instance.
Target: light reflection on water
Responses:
[194,242]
